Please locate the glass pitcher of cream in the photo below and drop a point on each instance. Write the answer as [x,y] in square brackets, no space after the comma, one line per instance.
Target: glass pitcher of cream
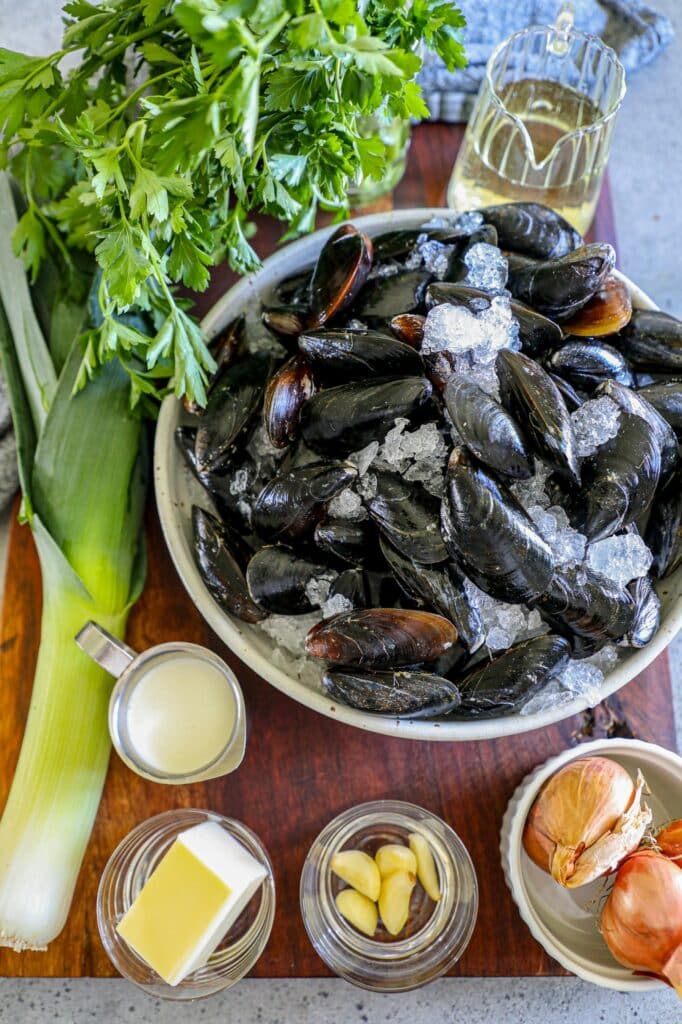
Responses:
[176,713]
[542,124]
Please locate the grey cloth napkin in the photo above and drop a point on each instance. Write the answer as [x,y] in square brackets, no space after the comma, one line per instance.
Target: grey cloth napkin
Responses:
[635,31]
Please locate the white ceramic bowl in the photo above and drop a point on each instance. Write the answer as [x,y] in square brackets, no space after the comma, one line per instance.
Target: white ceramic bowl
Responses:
[564,920]
[177,490]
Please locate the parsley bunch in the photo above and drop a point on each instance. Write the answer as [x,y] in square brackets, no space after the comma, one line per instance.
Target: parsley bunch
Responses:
[183,117]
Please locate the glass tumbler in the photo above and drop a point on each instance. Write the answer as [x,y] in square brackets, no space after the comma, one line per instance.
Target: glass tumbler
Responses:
[542,123]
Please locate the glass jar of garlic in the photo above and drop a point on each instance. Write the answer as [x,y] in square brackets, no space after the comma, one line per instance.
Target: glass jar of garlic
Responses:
[388,896]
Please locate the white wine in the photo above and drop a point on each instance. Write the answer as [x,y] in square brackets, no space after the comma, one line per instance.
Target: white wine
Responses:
[494,165]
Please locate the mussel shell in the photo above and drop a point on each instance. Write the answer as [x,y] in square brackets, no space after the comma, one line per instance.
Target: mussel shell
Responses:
[232,404]
[636,403]
[346,418]
[219,568]
[407,515]
[409,328]
[441,589]
[382,296]
[558,288]
[585,364]
[532,229]
[294,290]
[487,429]
[413,694]
[581,602]
[652,341]
[285,394]
[217,485]
[504,685]
[537,333]
[568,393]
[339,356]
[291,503]
[666,399]
[534,400]
[618,481]
[490,535]
[227,344]
[381,638]
[647,613]
[340,272]
[663,534]
[277,578]
[284,321]
[394,245]
[608,311]
[368,588]
[350,542]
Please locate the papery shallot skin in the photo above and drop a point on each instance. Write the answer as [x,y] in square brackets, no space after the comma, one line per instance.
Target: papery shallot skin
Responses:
[669,840]
[642,918]
[586,819]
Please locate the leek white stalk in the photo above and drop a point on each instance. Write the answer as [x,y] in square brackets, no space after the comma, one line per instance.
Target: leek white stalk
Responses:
[83,487]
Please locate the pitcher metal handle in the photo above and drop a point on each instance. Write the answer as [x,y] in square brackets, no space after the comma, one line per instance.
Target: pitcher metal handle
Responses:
[108,651]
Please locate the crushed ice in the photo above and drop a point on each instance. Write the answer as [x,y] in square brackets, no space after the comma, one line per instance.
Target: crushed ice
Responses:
[594,423]
[620,558]
[317,588]
[347,505]
[430,254]
[486,267]
[419,454]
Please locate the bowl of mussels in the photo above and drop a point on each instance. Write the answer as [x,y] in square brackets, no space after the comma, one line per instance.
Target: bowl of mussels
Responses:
[435,491]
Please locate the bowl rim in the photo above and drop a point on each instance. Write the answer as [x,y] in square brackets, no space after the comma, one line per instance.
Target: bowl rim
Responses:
[511,851]
[282,262]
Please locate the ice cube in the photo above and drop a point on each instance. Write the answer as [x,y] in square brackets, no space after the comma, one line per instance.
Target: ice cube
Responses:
[595,422]
[289,631]
[468,221]
[486,267]
[317,588]
[620,558]
[364,458]
[367,488]
[471,338]
[606,659]
[497,639]
[335,605]
[582,679]
[347,505]
[550,696]
[356,325]
[568,546]
[430,254]
[384,270]
[533,491]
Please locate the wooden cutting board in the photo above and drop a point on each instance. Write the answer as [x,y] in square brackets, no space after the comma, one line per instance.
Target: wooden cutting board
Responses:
[300,768]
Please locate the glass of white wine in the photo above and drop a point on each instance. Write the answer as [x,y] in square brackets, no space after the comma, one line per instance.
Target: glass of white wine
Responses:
[542,123]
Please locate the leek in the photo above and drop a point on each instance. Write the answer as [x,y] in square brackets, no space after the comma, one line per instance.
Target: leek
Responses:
[82,473]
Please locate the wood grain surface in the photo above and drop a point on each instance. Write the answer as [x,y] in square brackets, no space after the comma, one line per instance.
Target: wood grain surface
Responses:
[300,768]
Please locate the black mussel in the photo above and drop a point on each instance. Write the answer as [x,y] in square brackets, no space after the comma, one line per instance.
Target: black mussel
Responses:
[558,288]
[537,333]
[291,503]
[487,429]
[409,327]
[666,399]
[349,541]
[346,418]
[517,261]
[618,481]
[395,245]
[219,568]
[278,578]
[407,515]
[232,404]
[580,602]
[647,613]
[442,589]
[380,638]
[368,588]
[533,399]
[652,341]
[220,486]
[568,393]
[459,266]
[608,311]
[417,694]
[489,534]
[643,378]
[504,685]
[451,664]
[663,534]
[339,356]
[185,439]
[532,229]
[227,344]
[585,364]
[286,392]
[636,403]
[340,272]
[381,296]
[284,321]
[295,289]
[298,454]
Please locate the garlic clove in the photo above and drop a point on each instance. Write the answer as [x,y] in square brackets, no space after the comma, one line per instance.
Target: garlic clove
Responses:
[359,870]
[394,900]
[426,866]
[358,910]
[395,857]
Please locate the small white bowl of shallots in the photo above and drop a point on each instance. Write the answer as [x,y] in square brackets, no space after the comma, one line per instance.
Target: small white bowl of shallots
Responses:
[591,848]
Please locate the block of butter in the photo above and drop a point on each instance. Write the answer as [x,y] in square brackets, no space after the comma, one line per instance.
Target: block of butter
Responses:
[190,901]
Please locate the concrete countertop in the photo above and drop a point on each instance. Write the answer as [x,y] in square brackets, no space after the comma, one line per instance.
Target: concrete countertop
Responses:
[645,180]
